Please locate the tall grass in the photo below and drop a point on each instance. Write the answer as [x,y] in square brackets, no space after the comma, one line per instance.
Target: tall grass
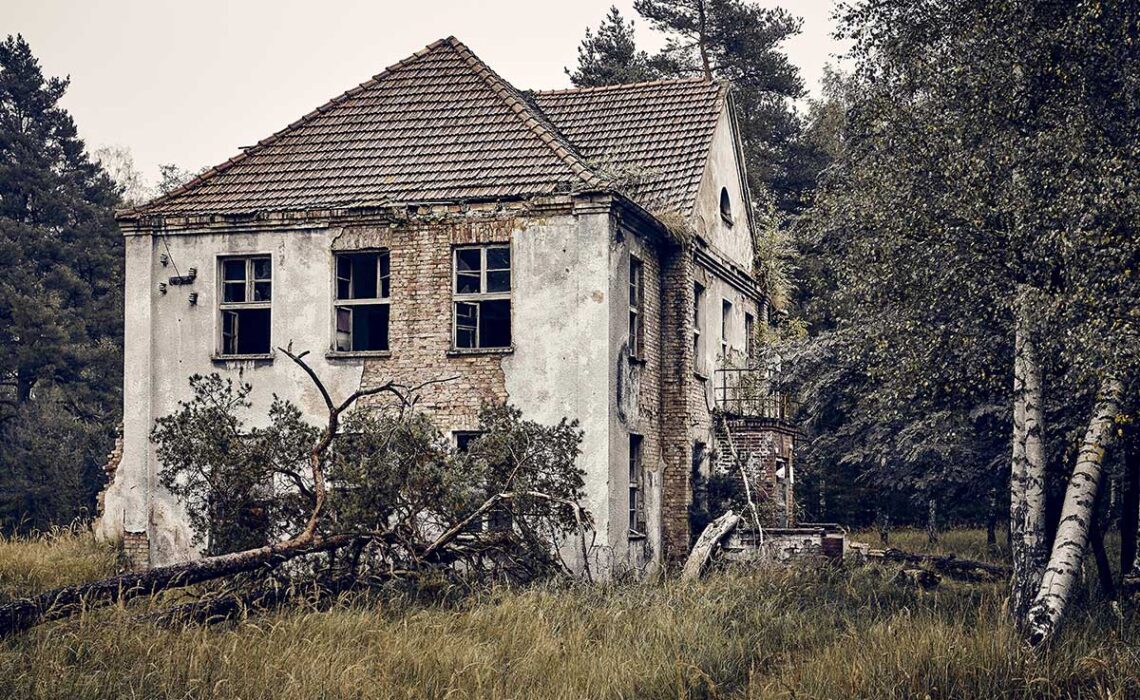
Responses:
[62,556]
[799,632]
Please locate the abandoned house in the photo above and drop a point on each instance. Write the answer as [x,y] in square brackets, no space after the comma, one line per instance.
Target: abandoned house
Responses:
[583,253]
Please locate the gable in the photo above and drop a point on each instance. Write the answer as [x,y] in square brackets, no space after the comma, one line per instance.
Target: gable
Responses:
[723,174]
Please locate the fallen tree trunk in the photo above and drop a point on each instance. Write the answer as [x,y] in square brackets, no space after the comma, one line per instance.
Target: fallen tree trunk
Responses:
[706,544]
[947,564]
[63,602]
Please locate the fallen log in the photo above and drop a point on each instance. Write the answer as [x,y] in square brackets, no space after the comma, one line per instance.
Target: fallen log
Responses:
[707,544]
[63,602]
[949,565]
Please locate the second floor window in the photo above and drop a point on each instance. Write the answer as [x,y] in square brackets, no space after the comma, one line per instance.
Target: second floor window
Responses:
[725,317]
[636,305]
[363,294]
[698,325]
[481,297]
[244,303]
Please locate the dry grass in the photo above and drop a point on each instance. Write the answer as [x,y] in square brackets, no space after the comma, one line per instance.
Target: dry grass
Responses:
[63,556]
[799,632]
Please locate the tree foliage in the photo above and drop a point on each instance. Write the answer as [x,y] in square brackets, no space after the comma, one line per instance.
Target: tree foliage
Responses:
[610,56]
[60,310]
[389,472]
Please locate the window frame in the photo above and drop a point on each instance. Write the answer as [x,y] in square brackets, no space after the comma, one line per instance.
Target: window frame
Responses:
[636,493]
[476,299]
[249,288]
[749,332]
[636,308]
[725,315]
[378,300]
[698,328]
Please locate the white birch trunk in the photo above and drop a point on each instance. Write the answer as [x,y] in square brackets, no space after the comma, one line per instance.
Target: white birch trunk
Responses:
[1027,475]
[1061,574]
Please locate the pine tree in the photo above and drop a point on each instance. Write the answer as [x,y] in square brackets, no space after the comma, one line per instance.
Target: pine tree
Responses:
[60,302]
[611,57]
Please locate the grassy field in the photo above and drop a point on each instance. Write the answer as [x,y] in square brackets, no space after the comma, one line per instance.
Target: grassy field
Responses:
[790,633]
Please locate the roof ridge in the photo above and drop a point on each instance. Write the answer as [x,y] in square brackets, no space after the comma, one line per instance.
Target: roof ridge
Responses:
[280,133]
[531,116]
[627,86]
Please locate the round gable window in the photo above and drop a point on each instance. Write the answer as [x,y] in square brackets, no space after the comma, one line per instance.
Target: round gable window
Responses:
[725,205]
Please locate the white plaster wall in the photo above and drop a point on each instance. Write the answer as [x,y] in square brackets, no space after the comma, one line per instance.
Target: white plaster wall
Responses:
[560,366]
[723,170]
[167,339]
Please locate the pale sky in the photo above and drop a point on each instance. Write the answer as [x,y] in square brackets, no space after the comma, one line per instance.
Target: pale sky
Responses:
[190,82]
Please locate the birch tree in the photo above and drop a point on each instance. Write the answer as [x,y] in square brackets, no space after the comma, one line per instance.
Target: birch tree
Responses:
[983,243]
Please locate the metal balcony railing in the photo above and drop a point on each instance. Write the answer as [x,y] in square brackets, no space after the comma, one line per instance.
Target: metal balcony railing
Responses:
[750,392]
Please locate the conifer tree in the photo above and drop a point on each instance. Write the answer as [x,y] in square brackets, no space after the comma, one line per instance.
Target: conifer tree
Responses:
[60,302]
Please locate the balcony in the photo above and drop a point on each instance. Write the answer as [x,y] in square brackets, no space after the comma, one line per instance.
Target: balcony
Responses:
[750,392]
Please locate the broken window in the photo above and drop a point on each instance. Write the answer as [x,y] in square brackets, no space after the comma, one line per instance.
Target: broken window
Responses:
[363,291]
[725,315]
[636,301]
[244,304]
[749,340]
[482,297]
[636,499]
[698,321]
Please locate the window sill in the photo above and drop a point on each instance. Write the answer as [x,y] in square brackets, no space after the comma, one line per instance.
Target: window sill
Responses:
[727,220]
[635,536]
[356,354]
[218,358]
[637,360]
[464,352]
[700,375]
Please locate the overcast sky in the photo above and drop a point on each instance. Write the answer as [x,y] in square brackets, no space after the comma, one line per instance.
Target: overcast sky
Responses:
[190,82]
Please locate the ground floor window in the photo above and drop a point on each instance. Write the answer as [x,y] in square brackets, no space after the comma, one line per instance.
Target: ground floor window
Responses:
[636,495]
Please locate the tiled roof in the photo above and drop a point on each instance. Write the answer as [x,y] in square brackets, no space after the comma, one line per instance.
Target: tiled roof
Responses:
[442,126]
[654,135]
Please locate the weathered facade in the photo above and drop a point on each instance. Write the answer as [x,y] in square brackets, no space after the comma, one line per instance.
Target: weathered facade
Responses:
[580,253]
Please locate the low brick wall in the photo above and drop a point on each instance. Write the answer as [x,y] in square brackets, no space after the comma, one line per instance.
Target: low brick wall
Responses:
[136,550]
[783,544]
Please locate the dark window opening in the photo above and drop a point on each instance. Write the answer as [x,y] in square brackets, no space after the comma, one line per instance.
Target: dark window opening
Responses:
[636,496]
[245,305]
[363,288]
[482,297]
[725,206]
[636,307]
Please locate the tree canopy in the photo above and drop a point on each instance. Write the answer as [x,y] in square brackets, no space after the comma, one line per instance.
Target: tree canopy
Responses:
[60,310]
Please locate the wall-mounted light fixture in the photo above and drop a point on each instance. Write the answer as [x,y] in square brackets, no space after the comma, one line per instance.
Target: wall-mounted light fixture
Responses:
[162,287]
[193,298]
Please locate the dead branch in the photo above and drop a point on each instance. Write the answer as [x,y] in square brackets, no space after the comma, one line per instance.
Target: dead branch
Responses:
[947,564]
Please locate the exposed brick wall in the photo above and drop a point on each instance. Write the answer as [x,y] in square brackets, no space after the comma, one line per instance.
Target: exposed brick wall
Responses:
[421,314]
[758,442]
[109,468]
[676,380]
[136,550]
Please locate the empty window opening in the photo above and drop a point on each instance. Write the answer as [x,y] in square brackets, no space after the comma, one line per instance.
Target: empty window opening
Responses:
[636,494]
[636,303]
[698,323]
[482,297]
[749,336]
[725,206]
[725,316]
[363,291]
[245,305]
